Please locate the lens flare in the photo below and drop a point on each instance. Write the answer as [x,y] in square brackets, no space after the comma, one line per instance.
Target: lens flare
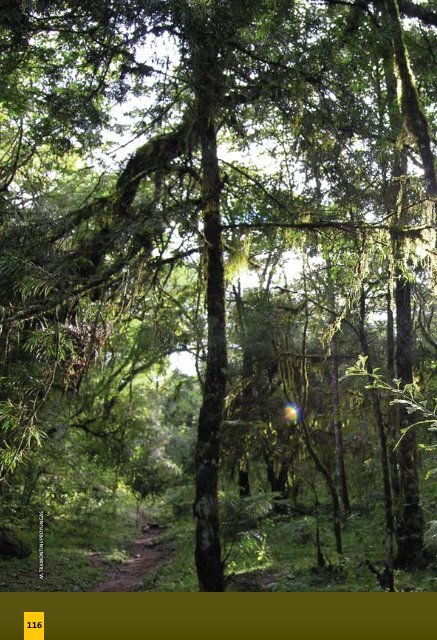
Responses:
[292,412]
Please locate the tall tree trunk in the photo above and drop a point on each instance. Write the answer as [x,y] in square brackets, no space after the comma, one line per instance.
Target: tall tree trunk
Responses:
[385,464]
[409,514]
[410,525]
[208,550]
[340,470]
[390,194]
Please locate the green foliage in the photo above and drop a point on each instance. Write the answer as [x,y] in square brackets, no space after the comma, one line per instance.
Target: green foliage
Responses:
[431,538]
[77,552]
[407,395]
[102,276]
[241,515]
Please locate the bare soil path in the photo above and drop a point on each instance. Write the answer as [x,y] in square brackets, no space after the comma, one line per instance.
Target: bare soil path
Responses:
[147,554]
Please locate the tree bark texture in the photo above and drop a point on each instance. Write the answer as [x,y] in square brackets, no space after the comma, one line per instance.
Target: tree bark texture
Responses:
[410,525]
[208,550]
[409,101]
[409,515]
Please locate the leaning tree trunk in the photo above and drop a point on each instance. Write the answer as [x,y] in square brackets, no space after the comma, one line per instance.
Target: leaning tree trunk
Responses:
[330,483]
[331,486]
[412,114]
[208,550]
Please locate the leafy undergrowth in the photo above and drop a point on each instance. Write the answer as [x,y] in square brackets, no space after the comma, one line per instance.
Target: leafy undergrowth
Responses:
[278,553]
[70,546]
[290,558]
[264,550]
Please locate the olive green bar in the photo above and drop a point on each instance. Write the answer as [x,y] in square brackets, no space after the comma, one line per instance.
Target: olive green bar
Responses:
[208,616]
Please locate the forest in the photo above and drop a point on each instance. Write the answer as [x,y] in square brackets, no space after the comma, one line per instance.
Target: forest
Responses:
[218,347]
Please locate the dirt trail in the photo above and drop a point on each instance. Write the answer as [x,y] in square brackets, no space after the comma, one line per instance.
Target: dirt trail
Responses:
[147,555]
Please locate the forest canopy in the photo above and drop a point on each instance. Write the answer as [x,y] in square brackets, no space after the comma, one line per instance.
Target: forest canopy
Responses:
[217,286]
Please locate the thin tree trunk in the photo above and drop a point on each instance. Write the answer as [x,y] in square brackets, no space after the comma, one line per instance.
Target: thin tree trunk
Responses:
[246,400]
[391,370]
[208,549]
[338,431]
[385,465]
[336,511]
[306,436]
[340,470]
[390,194]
